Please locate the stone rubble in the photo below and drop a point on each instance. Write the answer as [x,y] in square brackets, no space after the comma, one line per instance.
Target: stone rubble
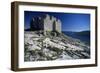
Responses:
[44,48]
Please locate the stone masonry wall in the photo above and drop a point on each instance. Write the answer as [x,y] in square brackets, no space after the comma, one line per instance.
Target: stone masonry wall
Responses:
[46,23]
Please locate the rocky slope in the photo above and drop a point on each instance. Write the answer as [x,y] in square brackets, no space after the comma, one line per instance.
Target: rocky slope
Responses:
[53,46]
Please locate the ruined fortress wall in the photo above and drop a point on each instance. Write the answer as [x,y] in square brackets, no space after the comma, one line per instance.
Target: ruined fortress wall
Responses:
[47,23]
[58,26]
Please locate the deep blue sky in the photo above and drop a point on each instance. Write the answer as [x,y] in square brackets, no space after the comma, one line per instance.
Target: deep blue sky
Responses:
[70,21]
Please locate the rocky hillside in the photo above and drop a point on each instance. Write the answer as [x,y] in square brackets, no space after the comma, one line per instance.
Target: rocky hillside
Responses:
[53,46]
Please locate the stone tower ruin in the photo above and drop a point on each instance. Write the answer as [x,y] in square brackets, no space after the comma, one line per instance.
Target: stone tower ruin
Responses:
[45,23]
